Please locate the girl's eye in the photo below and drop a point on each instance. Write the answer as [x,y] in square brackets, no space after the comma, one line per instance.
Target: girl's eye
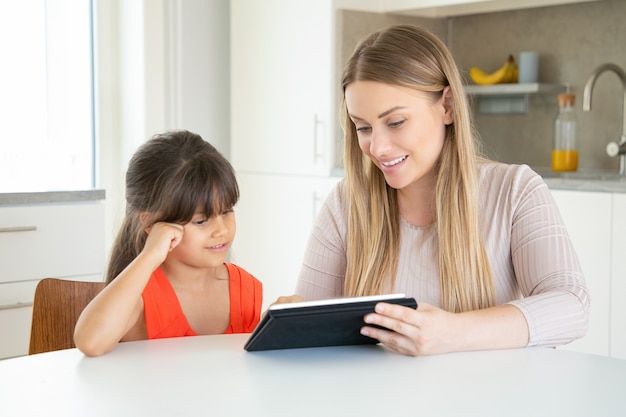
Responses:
[226,212]
[200,222]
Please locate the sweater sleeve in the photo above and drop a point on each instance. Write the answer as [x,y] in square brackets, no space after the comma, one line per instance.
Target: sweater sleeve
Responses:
[324,263]
[555,298]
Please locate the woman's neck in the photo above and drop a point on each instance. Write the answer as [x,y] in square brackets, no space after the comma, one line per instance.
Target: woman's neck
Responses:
[416,203]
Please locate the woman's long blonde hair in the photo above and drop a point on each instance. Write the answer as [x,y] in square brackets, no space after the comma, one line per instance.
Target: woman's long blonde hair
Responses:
[410,56]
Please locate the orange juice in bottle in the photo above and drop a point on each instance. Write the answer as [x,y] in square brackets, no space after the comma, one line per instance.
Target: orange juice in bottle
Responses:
[564,160]
[565,151]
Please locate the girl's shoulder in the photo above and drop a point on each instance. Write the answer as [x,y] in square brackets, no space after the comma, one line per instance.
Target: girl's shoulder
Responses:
[237,271]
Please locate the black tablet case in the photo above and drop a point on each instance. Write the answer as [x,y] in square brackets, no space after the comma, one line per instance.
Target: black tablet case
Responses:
[316,326]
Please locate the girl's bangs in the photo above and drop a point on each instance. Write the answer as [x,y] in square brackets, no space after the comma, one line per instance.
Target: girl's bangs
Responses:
[206,188]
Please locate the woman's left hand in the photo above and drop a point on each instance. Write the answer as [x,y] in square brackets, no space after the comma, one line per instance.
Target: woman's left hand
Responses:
[426,331]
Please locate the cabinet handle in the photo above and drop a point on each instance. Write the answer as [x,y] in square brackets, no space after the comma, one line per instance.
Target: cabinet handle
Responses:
[18,229]
[317,204]
[16,305]
[316,124]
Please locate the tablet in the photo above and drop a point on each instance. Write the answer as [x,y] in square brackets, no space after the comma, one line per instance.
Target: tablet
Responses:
[318,323]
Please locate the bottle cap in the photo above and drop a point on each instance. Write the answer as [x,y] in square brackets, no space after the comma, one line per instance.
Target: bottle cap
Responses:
[566,100]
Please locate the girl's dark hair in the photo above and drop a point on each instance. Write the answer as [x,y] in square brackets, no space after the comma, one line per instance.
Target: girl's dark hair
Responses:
[170,178]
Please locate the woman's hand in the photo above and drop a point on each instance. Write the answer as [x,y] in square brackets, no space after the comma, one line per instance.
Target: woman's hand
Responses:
[430,330]
[285,300]
[425,331]
[288,299]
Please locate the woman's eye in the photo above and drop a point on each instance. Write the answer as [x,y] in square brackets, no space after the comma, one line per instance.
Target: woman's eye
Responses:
[396,124]
[362,129]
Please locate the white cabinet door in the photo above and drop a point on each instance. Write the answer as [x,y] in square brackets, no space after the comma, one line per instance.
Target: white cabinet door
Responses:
[15,331]
[281,88]
[51,240]
[446,8]
[274,218]
[618,282]
[59,240]
[587,216]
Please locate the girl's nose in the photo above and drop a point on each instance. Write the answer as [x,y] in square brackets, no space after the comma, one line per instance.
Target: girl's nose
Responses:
[219,226]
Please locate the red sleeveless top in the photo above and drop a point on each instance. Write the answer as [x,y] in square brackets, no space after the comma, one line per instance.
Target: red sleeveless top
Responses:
[164,315]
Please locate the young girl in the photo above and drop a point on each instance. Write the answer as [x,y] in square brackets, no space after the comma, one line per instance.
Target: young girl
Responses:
[167,275]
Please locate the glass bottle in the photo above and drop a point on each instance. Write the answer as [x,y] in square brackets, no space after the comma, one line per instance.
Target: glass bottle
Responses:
[565,151]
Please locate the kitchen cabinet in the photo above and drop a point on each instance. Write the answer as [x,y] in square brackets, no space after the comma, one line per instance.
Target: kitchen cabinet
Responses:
[446,8]
[618,283]
[15,316]
[593,247]
[281,124]
[281,86]
[275,216]
[39,240]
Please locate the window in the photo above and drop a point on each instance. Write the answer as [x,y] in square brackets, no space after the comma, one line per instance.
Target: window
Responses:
[46,96]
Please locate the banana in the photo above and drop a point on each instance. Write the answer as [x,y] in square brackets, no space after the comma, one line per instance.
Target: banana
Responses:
[507,73]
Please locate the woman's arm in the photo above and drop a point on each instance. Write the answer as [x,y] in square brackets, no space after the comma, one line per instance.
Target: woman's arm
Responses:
[116,309]
[554,307]
[555,298]
[430,330]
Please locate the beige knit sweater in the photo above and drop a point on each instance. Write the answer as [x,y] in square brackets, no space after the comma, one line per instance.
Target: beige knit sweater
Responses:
[534,264]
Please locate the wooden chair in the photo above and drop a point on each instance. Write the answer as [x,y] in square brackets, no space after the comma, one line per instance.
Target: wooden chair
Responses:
[56,308]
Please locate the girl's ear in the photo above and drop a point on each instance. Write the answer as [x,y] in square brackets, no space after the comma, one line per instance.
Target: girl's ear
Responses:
[446,96]
[144,218]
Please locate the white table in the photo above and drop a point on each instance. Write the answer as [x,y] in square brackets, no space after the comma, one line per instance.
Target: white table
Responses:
[214,376]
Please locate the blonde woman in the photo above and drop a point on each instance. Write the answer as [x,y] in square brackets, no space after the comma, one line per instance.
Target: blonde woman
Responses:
[479,244]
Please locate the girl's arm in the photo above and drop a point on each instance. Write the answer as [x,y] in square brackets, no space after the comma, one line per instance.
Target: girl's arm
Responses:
[116,309]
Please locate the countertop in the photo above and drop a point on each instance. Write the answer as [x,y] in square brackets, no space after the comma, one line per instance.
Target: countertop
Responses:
[598,181]
[50,197]
[608,182]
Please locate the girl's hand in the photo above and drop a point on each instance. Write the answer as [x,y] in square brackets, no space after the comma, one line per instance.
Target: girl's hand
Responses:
[426,331]
[162,239]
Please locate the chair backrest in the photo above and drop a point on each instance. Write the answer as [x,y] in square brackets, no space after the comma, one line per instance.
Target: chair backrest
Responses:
[56,308]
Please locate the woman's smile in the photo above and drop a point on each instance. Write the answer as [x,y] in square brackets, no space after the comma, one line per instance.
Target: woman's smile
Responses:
[395,161]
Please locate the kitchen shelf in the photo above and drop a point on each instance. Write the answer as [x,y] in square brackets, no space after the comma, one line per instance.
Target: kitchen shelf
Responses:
[509,98]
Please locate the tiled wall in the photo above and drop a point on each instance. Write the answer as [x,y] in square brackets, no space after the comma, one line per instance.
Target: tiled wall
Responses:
[572,40]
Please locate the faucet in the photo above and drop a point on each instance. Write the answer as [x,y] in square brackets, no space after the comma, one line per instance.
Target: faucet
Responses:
[613,148]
